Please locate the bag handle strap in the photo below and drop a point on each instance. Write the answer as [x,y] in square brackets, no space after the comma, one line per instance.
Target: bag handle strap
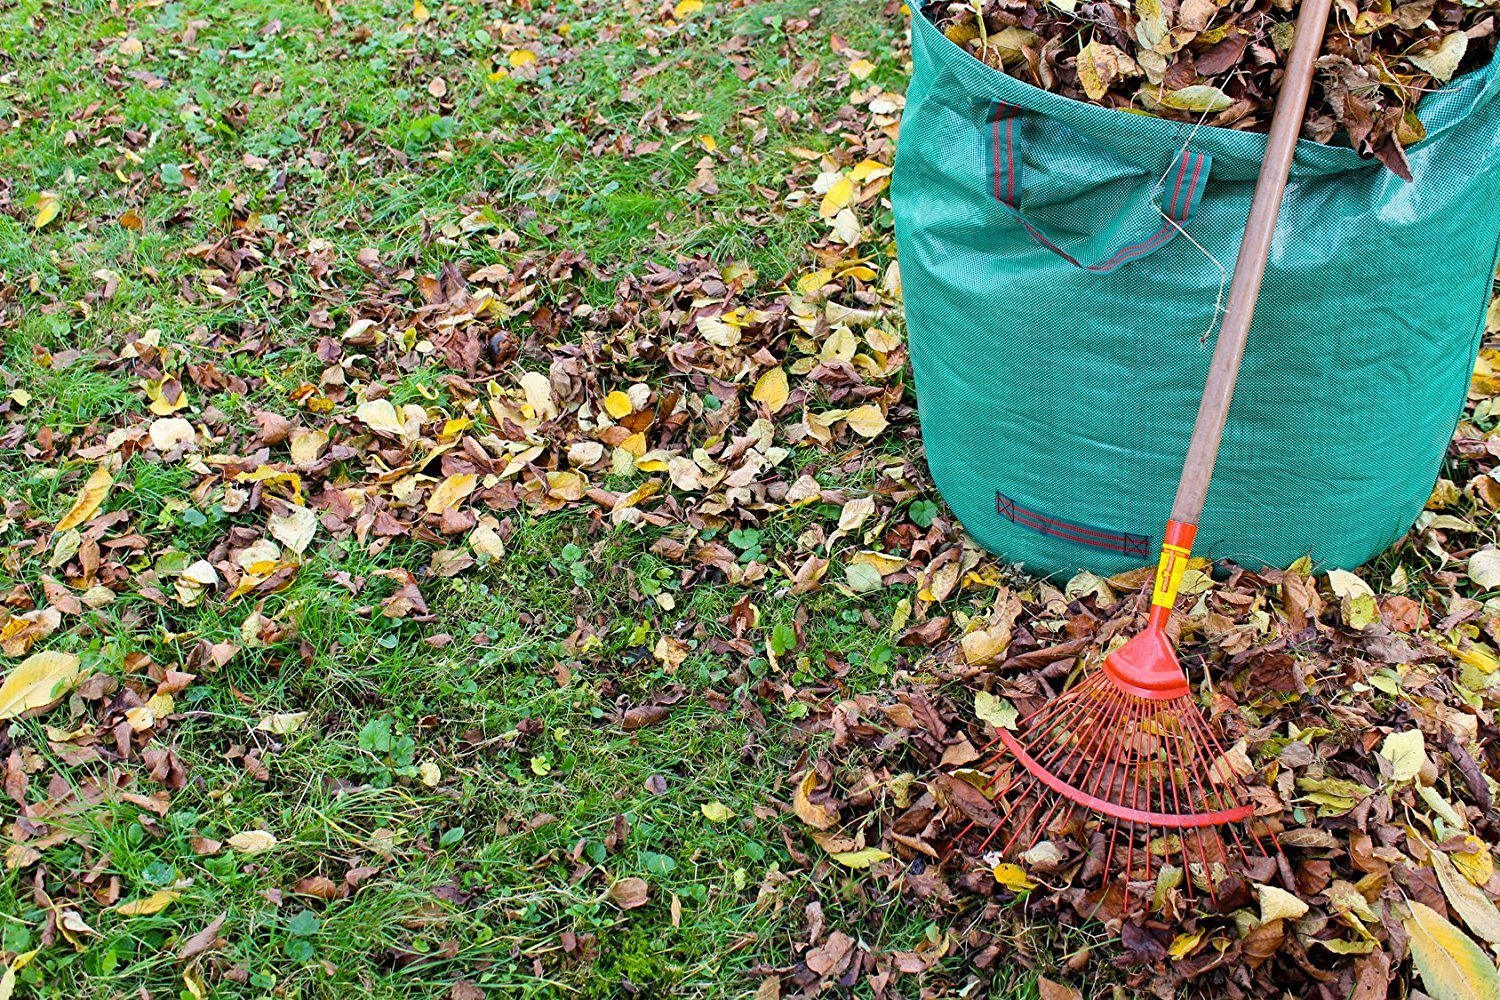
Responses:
[1184,187]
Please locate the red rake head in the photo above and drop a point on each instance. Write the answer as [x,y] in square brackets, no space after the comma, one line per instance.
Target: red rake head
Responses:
[1125,767]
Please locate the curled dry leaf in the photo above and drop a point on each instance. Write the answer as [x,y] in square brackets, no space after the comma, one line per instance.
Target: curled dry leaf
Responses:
[814,814]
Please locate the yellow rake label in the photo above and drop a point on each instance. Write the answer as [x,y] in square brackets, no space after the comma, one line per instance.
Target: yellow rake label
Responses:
[1174,561]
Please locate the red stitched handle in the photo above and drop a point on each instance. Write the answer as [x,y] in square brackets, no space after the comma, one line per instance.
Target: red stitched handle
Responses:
[1180,194]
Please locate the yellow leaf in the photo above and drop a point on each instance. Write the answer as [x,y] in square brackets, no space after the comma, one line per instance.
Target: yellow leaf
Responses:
[154,903]
[685,8]
[522,57]
[451,492]
[380,416]
[861,69]
[860,859]
[307,447]
[282,723]
[294,529]
[1406,752]
[867,421]
[810,283]
[814,814]
[89,498]
[419,12]
[252,841]
[837,198]
[1479,657]
[881,562]
[38,682]
[47,208]
[1184,943]
[486,542]
[1278,904]
[867,169]
[1013,877]
[771,389]
[617,404]
[538,389]
[1451,965]
[168,433]
[984,647]
[1475,862]
[1466,899]
[716,812]
[709,143]
[997,711]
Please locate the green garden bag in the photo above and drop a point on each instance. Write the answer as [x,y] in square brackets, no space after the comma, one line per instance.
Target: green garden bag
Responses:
[1063,266]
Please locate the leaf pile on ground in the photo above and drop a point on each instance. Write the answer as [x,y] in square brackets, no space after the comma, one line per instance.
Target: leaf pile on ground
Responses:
[1359,709]
[1220,63]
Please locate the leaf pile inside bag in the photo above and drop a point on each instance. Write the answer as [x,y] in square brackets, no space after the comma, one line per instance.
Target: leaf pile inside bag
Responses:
[1221,64]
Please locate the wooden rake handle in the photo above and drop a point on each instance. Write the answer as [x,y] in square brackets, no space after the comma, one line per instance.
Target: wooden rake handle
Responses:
[1291,106]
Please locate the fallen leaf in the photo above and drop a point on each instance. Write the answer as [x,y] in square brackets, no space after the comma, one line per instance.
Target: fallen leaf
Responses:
[282,723]
[252,841]
[1278,904]
[860,859]
[814,814]
[451,492]
[380,416]
[1012,876]
[1452,966]
[771,389]
[95,489]
[154,903]
[295,528]
[169,433]
[47,208]
[1467,900]
[630,893]
[1484,568]
[617,404]
[1443,59]
[837,197]
[1200,97]
[203,940]
[995,710]
[716,812]
[1345,584]
[37,683]
[866,421]
[1406,752]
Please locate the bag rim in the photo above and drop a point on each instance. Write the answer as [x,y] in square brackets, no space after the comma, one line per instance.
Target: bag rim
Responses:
[1238,154]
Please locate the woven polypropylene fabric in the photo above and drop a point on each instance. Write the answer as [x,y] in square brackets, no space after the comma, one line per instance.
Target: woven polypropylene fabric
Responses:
[1057,402]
